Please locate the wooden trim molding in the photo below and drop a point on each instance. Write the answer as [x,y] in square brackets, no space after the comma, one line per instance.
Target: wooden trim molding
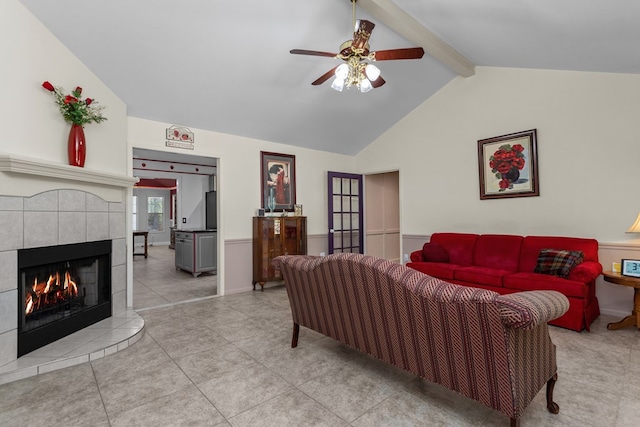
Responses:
[620,246]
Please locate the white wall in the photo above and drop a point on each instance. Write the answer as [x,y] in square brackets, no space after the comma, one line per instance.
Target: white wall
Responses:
[239,172]
[588,152]
[32,124]
[588,159]
[239,188]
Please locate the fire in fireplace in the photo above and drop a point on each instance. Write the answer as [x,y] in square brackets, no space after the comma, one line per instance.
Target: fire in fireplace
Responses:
[53,294]
[62,289]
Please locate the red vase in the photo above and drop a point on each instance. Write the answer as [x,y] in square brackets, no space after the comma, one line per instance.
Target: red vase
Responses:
[77,148]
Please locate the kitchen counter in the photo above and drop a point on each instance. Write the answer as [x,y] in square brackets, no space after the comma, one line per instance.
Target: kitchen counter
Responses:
[196,250]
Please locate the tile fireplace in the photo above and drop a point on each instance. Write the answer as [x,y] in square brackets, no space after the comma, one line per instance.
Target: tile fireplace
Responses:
[46,205]
[60,218]
[61,289]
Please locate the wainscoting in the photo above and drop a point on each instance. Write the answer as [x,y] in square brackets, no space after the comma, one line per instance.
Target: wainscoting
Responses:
[239,275]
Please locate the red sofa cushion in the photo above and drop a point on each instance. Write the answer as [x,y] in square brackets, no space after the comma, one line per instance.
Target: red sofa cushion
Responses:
[481,275]
[440,270]
[531,246]
[459,246]
[542,282]
[501,251]
[434,252]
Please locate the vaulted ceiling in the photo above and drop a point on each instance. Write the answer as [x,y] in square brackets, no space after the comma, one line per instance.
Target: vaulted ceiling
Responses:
[225,65]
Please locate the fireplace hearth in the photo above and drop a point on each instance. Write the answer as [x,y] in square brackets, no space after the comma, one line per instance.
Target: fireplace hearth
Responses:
[61,289]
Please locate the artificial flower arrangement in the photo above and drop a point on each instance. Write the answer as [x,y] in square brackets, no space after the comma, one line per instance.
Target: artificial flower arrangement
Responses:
[74,109]
[506,163]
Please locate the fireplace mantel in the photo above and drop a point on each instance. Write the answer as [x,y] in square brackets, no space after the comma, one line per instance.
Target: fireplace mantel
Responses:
[31,166]
[27,176]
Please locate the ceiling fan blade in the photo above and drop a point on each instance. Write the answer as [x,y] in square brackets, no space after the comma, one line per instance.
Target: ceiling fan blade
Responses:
[362,34]
[311,52]
[408,53]
[326,76]
[378,82]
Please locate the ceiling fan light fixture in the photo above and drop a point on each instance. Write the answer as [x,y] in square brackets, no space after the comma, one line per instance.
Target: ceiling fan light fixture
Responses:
[364,85]
[338,84]
[357,71]
[372,72]
[342,71]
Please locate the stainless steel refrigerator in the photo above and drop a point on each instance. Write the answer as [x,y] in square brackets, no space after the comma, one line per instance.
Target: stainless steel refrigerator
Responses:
[210,211]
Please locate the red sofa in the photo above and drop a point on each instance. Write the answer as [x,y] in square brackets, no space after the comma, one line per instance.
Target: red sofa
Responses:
[505,264]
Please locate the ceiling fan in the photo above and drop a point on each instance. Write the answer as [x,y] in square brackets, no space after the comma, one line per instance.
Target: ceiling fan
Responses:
[358,70]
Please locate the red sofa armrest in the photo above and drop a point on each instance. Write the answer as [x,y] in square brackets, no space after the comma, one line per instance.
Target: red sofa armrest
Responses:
[416,256]
[586,272]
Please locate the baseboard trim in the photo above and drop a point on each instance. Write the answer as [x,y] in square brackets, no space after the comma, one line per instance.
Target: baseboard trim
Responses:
[614,313]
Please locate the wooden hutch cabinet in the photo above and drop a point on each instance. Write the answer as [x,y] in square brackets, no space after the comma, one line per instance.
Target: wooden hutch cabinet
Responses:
[274,236]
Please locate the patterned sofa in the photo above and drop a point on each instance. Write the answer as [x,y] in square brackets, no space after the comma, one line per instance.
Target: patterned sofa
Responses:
[507,263]
[489,347]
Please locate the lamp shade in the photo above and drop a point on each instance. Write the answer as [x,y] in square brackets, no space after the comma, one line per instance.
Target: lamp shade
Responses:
[342,71]
[365,86]
[635,228]
[372,72]
[338,84]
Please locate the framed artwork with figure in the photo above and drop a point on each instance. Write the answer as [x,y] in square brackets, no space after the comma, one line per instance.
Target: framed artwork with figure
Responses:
[278,181]
[508,166]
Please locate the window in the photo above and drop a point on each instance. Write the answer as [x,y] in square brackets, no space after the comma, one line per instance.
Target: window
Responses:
[134,213]
[155,208]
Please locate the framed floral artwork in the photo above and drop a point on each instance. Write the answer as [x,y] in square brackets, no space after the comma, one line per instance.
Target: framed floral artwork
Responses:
[508,166]
[277,181]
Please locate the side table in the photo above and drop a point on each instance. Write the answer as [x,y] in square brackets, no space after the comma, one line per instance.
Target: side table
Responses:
[146,237]
[634,318]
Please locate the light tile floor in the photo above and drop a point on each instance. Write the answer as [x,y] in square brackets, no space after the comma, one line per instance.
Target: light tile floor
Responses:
[157,282]
[228,361]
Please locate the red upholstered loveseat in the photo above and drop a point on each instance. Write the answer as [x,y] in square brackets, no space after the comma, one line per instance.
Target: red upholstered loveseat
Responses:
[505,264]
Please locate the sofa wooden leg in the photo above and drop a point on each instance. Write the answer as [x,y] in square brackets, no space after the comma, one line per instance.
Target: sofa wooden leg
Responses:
[551,405]
[515,422]
[296,332]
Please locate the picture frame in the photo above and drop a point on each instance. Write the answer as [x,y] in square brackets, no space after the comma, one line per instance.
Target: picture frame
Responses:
[277,181]
[508,166]
[630,267]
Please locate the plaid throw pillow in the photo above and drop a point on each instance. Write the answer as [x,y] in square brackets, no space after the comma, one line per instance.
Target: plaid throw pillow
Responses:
[557,262]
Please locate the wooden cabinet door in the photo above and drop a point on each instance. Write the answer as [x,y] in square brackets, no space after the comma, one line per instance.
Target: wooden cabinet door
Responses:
[290,236]
[272,237]
[265,248]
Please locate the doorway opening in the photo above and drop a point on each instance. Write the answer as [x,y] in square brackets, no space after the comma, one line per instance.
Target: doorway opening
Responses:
[382,215]
[175,199]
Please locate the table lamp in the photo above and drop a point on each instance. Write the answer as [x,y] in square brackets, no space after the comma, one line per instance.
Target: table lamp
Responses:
[635,228]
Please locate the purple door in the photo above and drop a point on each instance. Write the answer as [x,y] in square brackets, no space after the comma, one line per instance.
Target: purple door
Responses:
[345,213]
